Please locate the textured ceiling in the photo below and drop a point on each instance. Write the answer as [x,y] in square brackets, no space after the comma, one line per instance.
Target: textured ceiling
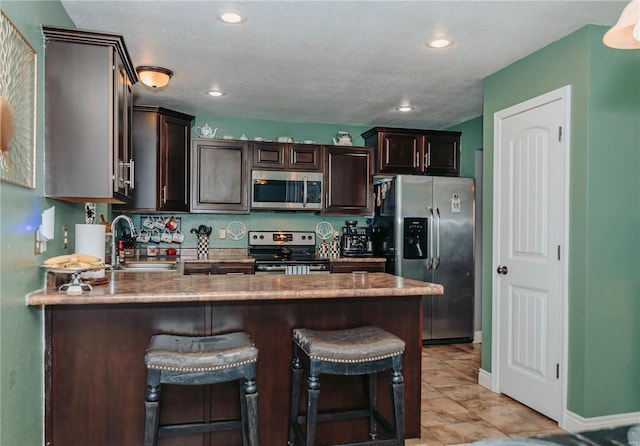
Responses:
[347,62]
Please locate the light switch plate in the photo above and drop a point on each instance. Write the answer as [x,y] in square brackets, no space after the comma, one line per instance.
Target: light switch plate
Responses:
[222,233]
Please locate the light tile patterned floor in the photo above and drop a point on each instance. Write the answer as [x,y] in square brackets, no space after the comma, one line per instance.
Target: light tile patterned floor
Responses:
[456,410]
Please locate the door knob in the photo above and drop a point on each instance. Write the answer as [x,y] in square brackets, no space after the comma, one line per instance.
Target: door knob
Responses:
[502,270]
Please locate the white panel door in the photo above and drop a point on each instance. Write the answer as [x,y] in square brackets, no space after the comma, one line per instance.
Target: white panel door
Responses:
[529,205]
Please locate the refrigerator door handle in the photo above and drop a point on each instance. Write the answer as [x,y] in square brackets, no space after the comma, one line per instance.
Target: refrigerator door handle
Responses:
[430,235]
[436,264]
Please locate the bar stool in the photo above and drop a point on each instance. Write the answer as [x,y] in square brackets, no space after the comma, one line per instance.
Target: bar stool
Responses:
[186,360]
[357,351]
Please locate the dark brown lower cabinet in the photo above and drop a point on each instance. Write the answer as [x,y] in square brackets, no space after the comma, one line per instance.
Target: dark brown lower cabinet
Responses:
[96,376]
[349,267]
[191,269]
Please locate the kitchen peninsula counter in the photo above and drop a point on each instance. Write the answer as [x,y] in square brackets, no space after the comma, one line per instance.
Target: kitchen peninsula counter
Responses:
[138,288]
[95,345]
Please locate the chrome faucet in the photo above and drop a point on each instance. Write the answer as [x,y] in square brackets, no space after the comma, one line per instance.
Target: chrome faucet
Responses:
[114,257]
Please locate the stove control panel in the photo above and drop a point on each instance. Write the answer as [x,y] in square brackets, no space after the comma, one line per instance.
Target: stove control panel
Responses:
[276,238]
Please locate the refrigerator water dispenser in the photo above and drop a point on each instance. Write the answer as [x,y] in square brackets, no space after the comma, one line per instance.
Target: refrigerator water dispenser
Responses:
[415,238]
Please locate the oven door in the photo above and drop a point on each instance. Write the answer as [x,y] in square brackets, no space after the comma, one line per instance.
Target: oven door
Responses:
[286,190]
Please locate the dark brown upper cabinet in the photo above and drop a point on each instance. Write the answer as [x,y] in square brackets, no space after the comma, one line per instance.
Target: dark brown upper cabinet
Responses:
[412,151]
[161,141]
[88,116]
[348,176]
[219,176]
[304,157]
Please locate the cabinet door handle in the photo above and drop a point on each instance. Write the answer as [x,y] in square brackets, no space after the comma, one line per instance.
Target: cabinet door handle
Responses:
[436,264]
[164,194]
[304,192]
[431,236]
[130,183]
[417,164]
[427,156]
[132,174]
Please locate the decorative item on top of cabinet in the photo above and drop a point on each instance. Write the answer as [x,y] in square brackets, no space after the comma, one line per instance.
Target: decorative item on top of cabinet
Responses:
[348,174]
[413,151]
[219,176]
[269,155]
[88,114]
[161,139]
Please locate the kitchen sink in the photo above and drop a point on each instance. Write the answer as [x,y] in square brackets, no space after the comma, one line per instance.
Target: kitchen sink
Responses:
[148,266]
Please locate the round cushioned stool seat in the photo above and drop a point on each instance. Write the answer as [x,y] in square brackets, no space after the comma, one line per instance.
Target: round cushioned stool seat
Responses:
[205,360]
[196,354]
[362,344]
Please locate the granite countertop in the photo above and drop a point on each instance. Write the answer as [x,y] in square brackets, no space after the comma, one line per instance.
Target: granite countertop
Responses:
[171,287]
[226,258]
[221,258]
[240,255]
[358,260]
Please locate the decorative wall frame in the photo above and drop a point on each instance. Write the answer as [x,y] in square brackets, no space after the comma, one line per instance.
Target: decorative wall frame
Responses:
[17,106]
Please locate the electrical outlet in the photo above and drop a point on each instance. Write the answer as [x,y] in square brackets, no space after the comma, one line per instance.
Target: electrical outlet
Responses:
[222,233]
[65,237]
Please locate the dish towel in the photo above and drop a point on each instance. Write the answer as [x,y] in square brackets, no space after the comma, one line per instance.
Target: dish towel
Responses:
[296,269]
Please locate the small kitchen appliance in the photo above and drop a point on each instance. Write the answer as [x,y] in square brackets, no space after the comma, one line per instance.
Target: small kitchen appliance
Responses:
[286,252]
[356,241]
[286,190]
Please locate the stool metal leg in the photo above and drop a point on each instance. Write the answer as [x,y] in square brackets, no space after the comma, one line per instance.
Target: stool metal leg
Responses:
[313,395]
[397,386]
[373,405]
[296,383]
[152,406]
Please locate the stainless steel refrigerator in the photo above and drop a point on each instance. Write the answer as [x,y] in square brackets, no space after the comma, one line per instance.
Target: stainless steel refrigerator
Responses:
[425,227]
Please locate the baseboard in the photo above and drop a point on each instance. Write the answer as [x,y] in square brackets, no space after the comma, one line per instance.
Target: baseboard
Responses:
[477,337]
[484,379]
[575,423]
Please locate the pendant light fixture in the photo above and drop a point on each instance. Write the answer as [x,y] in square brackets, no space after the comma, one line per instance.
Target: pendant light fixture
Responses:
[154,77]
[625,34]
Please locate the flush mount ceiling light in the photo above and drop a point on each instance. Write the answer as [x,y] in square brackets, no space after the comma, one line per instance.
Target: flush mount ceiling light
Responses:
[625,34]
[154,77]
[215,93]
[405,108]
[439,43]
[231,17]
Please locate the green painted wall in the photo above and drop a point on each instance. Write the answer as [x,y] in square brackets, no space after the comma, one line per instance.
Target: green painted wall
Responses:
[471,141]
[21,360]
[604,212]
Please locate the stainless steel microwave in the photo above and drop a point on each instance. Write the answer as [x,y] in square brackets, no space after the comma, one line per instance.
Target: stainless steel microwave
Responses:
[282,190]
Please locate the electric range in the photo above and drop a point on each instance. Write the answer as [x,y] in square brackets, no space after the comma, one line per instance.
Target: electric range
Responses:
[286,252]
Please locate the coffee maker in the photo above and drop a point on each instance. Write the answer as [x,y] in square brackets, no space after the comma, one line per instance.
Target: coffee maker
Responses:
[356,241]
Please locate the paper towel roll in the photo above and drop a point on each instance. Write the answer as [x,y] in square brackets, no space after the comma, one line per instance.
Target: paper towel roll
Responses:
[90,239]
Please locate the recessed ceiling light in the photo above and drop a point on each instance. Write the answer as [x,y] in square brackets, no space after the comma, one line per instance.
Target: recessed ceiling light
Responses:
[405,108]
[439,43]
[232,17]
[215,93]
